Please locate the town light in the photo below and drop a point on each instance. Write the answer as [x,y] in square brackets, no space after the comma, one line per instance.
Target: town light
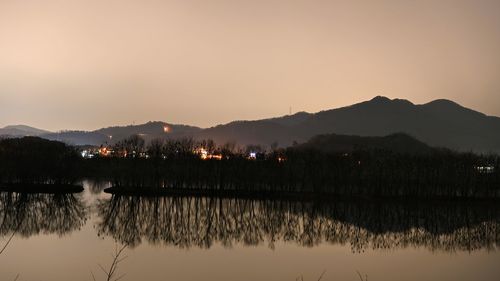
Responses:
[203,153]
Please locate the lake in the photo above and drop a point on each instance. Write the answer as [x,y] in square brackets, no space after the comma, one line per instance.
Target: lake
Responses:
[68,237]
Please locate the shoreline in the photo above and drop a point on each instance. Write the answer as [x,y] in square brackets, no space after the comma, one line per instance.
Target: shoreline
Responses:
[283,195]
[42,188]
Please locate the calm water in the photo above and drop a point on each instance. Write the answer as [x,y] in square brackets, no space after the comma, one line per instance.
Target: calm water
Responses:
[67,237]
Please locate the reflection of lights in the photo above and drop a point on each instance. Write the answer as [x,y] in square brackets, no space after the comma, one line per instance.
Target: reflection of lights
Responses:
[281,159]
[166,129]
[110,136]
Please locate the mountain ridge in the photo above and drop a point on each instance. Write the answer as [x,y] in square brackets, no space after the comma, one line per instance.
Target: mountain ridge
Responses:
[438,123]
[441,123]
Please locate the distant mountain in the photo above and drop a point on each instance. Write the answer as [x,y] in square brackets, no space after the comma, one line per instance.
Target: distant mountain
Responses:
[149,130]
[440,123]
[291,120]
[263,132]
[111,135]
[78,137]
[332,143]
[21,130]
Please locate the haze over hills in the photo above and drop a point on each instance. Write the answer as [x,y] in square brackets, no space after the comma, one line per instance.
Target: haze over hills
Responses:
[440,123]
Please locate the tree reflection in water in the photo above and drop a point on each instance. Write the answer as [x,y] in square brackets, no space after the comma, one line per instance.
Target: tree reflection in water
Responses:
[31,214]
[201,221]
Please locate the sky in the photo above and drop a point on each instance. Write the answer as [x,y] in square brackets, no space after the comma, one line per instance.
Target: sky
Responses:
[87,64]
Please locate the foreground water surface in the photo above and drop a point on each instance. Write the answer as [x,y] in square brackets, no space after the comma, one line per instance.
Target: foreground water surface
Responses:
[68,237]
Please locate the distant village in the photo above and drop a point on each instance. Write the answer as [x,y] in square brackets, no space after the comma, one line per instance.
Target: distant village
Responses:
[203,153]
[250,153]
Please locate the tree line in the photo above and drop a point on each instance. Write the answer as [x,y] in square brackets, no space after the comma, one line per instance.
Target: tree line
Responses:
[37,161]
[177,164]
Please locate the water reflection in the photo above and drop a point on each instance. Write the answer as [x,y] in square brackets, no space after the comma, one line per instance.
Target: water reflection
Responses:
[201,222]
[32,214]
[95,187]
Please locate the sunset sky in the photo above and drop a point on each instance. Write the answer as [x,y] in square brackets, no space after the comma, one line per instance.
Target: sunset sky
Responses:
[86,64]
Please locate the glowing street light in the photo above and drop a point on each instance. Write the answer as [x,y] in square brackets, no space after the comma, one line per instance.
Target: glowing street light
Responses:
[252,156]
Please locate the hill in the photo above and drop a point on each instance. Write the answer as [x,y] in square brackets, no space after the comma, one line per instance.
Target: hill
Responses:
[441,123]
[332,143]
[21,130]
[114,134]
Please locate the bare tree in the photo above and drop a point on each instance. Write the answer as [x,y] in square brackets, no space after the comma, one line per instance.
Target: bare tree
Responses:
[111,273]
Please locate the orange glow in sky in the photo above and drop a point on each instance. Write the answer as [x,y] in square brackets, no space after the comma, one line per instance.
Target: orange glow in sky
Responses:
[243,59]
